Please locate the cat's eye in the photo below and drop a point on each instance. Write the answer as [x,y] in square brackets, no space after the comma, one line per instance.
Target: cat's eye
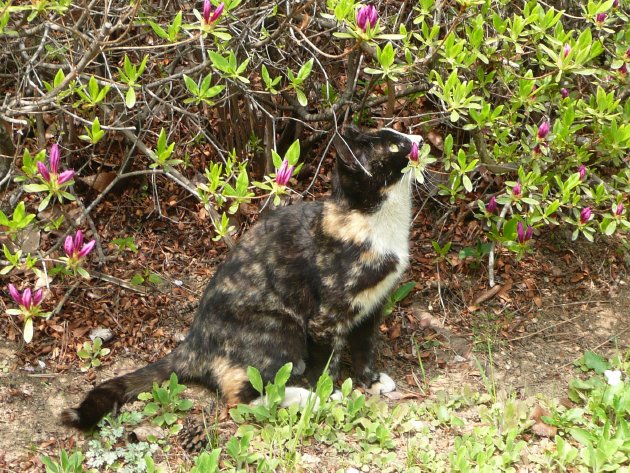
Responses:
[393,148]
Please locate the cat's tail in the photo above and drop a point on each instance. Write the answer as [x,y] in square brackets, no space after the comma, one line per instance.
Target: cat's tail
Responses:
[112,394]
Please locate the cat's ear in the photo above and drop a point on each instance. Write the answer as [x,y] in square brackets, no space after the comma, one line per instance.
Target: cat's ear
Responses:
[351,153]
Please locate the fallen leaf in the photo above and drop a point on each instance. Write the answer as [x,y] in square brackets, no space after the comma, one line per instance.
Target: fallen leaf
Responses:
[143,432]
[486,295]
[540,428]
[100,181]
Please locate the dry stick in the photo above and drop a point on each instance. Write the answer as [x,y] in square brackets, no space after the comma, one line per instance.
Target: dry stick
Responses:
[118,281]
[491,254]
[38,103]
[65,297]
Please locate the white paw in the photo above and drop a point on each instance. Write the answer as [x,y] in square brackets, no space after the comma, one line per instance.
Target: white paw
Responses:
[385,384]
[336,396]
[299,396]
[292,396]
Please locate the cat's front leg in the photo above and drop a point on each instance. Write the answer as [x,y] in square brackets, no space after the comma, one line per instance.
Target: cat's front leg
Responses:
[361,341]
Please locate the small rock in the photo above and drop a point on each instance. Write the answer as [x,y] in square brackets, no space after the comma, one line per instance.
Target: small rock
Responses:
[306,458]
[103,333]
[143,432]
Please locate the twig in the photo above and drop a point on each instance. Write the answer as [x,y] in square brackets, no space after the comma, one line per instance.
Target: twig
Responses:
[65,297]
[491,254]
[118,282]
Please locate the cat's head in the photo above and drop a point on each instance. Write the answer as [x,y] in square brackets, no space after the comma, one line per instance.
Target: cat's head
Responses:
[369,163]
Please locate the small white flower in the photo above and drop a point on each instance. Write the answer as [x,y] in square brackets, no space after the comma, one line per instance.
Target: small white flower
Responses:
[613,377]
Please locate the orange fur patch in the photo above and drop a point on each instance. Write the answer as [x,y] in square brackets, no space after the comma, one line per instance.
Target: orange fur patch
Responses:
[230,378]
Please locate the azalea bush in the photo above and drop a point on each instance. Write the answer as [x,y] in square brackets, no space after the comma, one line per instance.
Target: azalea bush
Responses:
[529,103]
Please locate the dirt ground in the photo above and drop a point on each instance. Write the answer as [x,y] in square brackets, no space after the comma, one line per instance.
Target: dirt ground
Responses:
[552,306]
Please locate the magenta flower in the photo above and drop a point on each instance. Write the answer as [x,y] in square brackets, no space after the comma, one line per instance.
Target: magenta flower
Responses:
[207,8]
[600,17]
[367,15]
[43,171]
[491,206]
[615,4]
[566,49]
[582,172]
[619,209]
[54,158]
[414,153]
[543,130]
[585,215]
[75,248]
[537,149]
[623,70]
[523,235]
[66,176]
[516,190]
[53,174]
[564,92]
[284,173]
[26,299]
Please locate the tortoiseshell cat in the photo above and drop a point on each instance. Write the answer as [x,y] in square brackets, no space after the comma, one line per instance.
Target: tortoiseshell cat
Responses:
[303,283]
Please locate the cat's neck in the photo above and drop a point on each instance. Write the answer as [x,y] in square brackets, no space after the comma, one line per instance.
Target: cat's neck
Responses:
[385,230]
[390,224]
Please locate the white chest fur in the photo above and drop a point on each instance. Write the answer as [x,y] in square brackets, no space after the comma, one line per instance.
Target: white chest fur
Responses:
[388,234]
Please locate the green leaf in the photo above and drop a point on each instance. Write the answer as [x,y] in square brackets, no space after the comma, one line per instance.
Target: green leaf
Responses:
[130,97]
[283,374]
[595,362]
[28,330]
[293,153]
[301,97]
[255,379]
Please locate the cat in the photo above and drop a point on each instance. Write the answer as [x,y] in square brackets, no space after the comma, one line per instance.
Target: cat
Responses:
[303,284]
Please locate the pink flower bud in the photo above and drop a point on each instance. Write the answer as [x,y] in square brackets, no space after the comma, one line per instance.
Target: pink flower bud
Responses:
[27,299]
[284,173]
[38,296]
[543,130]
[628,53]
[523,235]
[585,215]
[207,6]
[78,239]
[65,176]
[54,158]
[15,294]
[564,92]
[43,171]
[413,154]
[623,70]
[87,248]
[68,246]
[566,49]
[520,232]
[491,206]
[537,149]
[600,17]
[582,172]
[615,4]
[529,233]
[217,13]
[516,190]
[619,209]
[367,15]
